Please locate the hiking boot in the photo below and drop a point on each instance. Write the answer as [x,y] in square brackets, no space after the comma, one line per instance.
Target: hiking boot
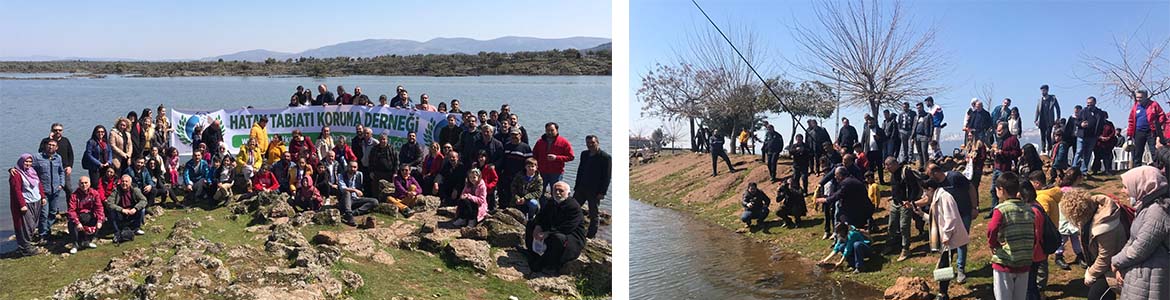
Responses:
[407,212]
[1060,263]
[347,219]
[961,277]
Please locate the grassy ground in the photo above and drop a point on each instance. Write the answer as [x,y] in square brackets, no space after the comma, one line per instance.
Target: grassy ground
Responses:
[684,182]
[412,275]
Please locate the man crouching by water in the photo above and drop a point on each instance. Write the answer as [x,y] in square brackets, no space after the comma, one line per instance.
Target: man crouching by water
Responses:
[755,206]
[557,234]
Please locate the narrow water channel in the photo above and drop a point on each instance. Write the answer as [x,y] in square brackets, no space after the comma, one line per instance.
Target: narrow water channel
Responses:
[674,255]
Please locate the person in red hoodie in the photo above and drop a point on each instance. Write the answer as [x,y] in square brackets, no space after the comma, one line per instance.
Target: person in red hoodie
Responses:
[552,151]
[265,181]
[1145,120]
[86,214]
[108,182]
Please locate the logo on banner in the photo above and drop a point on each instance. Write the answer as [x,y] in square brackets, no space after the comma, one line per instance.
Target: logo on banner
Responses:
[189,123]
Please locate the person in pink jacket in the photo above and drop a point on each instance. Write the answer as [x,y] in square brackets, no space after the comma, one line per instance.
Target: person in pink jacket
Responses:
[946,231]
[473,202]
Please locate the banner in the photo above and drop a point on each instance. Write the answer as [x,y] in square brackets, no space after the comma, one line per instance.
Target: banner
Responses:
[342,121]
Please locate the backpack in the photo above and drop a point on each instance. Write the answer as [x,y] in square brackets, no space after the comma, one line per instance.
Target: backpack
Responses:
[124,235]
[1051,239]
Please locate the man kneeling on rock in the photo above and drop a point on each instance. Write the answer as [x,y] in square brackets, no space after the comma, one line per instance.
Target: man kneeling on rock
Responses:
[125,207]
[350,184]
[557,235]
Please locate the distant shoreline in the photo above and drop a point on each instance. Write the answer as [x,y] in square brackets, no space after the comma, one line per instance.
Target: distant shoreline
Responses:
[553,62]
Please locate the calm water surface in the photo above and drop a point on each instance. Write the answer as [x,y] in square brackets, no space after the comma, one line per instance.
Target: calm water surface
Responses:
[580,104]
[674,255]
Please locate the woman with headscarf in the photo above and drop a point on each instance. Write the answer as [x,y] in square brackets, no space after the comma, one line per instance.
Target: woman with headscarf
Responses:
[27,198]
[1143,265]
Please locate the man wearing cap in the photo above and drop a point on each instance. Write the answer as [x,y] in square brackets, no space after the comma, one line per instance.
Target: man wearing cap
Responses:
[1047,112]
[516,154]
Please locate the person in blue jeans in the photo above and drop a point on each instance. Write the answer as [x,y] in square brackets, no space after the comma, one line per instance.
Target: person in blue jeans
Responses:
[852,244]
[755,206]
[51,170]
[1088,131]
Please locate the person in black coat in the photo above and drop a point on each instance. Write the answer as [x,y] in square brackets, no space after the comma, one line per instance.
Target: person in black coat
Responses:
[411,153]
[755,206]
[64,148]
[852,204]
[847,137]
[893,134]
[802,158]
[593,176]
[791,198]
[817,136]
[452,176]
[213,137]
[715,143]
[383,163]
[773,145]
[557,234]
[873,139]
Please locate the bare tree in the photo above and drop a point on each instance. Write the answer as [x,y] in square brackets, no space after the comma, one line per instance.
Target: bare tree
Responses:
[674,131]
[987,93]
[1132,69]
[872,51]
[673,93]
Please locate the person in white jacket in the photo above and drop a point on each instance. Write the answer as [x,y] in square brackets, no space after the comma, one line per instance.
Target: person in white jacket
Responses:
[946,231]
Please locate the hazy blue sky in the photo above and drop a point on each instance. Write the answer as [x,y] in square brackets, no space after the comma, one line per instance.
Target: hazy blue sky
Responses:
[195,29]
[1015,46]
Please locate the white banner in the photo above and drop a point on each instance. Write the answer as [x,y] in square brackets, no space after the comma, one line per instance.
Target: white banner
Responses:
[342,121]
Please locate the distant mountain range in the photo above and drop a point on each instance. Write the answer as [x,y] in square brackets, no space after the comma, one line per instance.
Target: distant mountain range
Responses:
[376,47]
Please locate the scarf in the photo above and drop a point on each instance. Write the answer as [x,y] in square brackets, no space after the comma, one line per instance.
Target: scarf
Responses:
[1141,182]
[29,175]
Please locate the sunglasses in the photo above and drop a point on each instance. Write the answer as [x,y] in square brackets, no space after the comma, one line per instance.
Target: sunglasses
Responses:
[58,130]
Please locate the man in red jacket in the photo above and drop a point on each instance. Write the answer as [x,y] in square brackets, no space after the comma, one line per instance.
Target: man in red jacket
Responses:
[552,151]
[86,214]
[1145,120]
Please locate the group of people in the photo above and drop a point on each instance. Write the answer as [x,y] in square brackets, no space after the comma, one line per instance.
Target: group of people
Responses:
[1036,208]
[479,163]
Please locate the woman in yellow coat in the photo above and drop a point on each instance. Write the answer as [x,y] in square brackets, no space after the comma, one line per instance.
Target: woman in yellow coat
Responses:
[250,159]
[276,149]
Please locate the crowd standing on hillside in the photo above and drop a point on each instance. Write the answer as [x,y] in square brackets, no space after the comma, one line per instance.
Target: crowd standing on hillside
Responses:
[1036,208]
[480,163]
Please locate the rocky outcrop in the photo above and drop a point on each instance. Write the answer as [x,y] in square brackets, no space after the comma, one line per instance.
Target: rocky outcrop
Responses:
[470,252]
[909,288]
[563,285]
[595,265]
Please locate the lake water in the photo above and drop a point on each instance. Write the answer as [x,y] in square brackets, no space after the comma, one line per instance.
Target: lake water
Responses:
[674,255]
[580,104]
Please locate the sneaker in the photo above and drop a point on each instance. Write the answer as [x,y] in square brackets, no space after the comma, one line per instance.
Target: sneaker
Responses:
[825,237]
[407,212]
[91,245]
[460,222]
[139,232]
[961,277]
[73,250]
[1081,261]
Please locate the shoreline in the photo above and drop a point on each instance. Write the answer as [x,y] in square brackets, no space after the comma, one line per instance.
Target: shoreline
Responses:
[683,182]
